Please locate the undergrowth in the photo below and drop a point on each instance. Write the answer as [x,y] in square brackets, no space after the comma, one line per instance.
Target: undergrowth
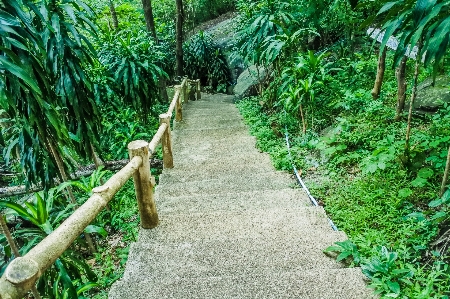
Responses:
[390,211]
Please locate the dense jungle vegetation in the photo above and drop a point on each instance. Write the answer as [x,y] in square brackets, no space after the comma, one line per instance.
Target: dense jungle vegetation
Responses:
[80,79]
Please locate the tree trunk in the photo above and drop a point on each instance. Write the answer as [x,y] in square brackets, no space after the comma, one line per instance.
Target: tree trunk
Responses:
[162,86]
[303,119]
[112,9]
[62,172]
[149,20]
[445,178]
[411,104]
[15,250]
[380,75]
[400,74]
[179,37]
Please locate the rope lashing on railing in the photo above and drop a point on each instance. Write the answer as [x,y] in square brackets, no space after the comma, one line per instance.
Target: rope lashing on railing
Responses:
[298,177]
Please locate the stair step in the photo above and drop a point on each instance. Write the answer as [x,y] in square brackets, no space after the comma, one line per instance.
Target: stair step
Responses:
[217,125]
[270,224]
[225,184]
[225,120]
[313,284]
[204,258]
[181,142]
[208,134]
[254,200]
[198,169]
[217,97]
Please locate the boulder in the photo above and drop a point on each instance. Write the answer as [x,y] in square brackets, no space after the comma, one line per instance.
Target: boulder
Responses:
[430,98]
[247,82]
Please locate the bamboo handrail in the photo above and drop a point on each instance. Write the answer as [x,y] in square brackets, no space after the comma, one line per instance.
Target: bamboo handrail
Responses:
[175,99]
[18,279]
[23,272]
[157,138]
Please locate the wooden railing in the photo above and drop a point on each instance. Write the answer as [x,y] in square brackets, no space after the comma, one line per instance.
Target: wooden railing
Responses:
[23,272]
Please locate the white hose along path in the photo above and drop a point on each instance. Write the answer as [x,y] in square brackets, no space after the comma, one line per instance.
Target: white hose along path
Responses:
[299,179]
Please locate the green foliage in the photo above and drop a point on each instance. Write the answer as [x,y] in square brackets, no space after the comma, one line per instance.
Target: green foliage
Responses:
[70,275]
[356,150]
[44,87]
[347,251]
[205,60]
[132,60]
[264,20]
[386,274]
[418,21]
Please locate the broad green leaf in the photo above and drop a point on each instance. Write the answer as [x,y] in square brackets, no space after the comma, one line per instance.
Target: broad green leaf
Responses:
[387,7]
[21,211]
[65,279]
[96,229]
[86,287]
[42,213]
[20,73]
[425,173]
[394,286]
[405,192]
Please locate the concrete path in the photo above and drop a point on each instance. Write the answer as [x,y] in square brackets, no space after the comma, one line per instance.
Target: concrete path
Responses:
[230,225]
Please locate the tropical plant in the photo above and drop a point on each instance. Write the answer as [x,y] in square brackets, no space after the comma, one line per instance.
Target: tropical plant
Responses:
[43,85]
[132,60]
[302,79]
[67,277]
[205,60]
[264,20]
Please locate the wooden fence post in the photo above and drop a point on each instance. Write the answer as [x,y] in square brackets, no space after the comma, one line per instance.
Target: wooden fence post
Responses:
[166,142]
[199,94]
[179,105]
[143,184]
[185,90]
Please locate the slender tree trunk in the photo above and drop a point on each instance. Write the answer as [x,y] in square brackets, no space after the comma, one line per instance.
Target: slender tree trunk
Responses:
[62,172]
[112,9]
[380,75]
[12,244]
[179,37]
[411,104]
[400,73]
[149,20]
[445,178]
[303,119]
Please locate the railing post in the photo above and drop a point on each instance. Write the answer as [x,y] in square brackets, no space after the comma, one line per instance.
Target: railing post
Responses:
[143,184]
[199,94]
[179,106]
[184,90]
[166,142]
[19,277]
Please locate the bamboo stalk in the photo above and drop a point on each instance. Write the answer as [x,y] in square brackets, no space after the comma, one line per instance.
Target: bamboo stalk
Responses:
[157,138]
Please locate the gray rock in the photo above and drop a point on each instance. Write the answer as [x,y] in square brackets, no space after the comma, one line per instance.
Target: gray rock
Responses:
[247,82]
[430,98]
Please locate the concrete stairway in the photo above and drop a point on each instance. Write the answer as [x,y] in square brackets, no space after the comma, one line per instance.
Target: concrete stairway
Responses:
[230,225]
